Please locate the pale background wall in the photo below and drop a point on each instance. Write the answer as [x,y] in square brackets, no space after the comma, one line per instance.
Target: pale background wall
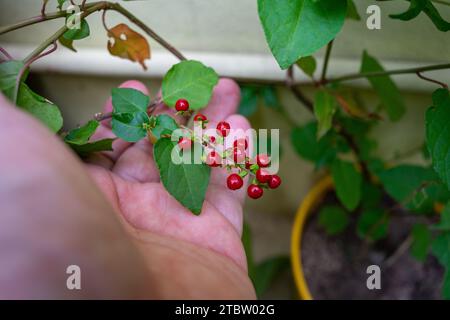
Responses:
[227,36]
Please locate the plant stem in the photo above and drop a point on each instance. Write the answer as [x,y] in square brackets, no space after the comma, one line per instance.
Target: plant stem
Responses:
[296,91]
[326,61]
[108,6]
[31,21]
[354,76]
[445,3]
[117,7]
[442,84]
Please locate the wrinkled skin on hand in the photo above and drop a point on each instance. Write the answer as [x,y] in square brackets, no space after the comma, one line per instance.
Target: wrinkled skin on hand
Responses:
[113,218]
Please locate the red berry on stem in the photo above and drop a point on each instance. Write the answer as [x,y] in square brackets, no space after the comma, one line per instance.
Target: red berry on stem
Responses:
[241,143]
[234,181]
[263,176]
[200,117]
[223,128]
[274,181]
[213,159]
[254,191]
[182,105]
[184,143]
[263,160]
[238,155]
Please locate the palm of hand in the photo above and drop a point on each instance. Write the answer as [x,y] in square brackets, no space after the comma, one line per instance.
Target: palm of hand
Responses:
[129,179]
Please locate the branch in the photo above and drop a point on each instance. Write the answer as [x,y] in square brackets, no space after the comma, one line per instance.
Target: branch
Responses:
[354,76]
[325,61]
[341,130]
[117,7]
[442,84]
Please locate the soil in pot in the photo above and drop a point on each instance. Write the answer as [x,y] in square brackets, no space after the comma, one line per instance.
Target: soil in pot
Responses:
[335,266]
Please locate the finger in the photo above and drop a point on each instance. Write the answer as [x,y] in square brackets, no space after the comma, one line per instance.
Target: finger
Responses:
[224,101]
[162,108]
[227,201]
[107,159]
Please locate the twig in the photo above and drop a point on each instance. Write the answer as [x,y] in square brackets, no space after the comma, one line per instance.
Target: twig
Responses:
[354,76]
[117,7]
[5,53]
[442,84]
[44,4]
[105,5]
[26,66]
[104,20]
[404,246]
[325,61]
[296,91]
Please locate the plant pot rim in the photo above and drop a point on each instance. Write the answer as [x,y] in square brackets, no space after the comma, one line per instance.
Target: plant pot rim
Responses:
[311,201]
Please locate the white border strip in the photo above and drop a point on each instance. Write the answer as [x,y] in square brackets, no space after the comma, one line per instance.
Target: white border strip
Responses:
[97,61]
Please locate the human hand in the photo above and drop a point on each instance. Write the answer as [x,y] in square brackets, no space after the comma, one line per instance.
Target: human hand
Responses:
[130,180]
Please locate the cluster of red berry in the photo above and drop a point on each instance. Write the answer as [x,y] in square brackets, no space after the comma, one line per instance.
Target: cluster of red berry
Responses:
[262,177]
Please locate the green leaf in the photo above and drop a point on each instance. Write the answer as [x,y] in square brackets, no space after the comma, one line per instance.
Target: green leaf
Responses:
[347,182]
[305,143]
[298,28]
[269,95]
[40,108]
[67,43]
[444,223]
[190,80]
[438,134]
[187,183]
[384,87]
[441,248]
[446,285]
[130,127]
[324,109]
[352,12]
[426,6]
[432,13]
[85,149]
[164,125]
[128,100]
[249,100]
[81,135]
[61,3]
[421,240]
[267,271]
[373,224]
[415,8]
[78,140]
[411,186]
[334,219]
[371,195]
[78,33]
[9,72]
[247,243]
[307,65]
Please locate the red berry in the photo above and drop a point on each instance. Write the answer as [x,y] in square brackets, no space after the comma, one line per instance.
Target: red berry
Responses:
[263,160]
[182,105]
[200,117]
[184,143]
[263,176]
[234,181]
[241,143]
[213,159]
[254,191]
[223,128]
[238,155]
[212,139]
[274,181]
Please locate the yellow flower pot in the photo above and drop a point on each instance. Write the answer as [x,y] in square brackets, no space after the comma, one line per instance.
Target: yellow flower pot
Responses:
[311,201]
